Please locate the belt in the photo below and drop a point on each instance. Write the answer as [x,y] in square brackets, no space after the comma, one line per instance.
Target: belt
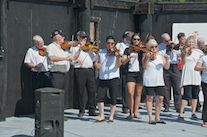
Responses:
[173,64]
[41,72]
[82,68]
[59,72]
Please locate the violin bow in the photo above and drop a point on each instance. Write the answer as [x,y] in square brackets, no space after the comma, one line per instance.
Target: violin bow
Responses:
[146,37]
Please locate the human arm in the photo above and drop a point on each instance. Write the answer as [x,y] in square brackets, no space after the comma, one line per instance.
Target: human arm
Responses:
[118,60]
[31,65]
[166,63]
[145,60]
[97,64]
[199,67]
[184,55]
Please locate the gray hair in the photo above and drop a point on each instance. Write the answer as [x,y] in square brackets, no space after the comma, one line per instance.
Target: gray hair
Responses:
[193,38]
[37,38]
[200,39]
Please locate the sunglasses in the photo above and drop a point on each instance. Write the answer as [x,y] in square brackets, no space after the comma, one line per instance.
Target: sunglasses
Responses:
[137,39]
[167,40]
[153,47]
[110,43]
[84,37]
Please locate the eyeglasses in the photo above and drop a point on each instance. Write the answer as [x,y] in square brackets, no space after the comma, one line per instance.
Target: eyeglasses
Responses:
[137,39]
[167,40]
[84,37]
[110,43]
[153,47]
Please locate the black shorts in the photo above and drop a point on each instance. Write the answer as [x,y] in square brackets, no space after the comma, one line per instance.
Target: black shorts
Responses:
[135,77]
[160,91]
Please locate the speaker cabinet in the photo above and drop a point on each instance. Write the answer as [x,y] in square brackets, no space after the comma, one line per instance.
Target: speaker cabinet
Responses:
[49,112]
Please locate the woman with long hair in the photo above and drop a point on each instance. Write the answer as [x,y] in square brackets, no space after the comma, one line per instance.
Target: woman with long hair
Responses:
[134,77]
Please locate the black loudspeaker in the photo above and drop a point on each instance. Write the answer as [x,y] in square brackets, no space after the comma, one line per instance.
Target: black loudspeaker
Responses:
[49,112]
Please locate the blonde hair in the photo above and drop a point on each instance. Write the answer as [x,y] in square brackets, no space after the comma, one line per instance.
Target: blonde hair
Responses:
[151,43]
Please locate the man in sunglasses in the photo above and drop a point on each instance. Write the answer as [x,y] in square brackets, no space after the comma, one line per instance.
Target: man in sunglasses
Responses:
[172,75]
[84,75]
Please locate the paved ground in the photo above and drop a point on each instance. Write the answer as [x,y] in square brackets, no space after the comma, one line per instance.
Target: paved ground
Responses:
[84,127]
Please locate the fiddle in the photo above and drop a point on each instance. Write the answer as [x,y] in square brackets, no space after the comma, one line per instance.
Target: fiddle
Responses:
[68,44]
[42,51]
[91,47]
[142,44]
[112,51]
[152,55]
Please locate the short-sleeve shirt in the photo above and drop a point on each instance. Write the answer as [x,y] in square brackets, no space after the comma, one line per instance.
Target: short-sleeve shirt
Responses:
[33,56]
[108,69]
[203,60]
[88,57]
[55,50]
[133,64]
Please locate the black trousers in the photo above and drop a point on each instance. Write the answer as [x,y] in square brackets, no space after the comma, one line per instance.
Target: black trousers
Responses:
[84,78]
[61,81]
[40,80]
[172,75]
[124,88]
[204,113]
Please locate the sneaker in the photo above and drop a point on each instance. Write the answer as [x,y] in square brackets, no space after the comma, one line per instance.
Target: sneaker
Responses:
[194,116]
[180,117]
[166,110]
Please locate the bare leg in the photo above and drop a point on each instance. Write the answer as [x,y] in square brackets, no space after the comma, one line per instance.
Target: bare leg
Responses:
[138,93]
[194,104]
[112,111]
[182,105]
[101,110]
[131,87]
[158,107]
[149,107]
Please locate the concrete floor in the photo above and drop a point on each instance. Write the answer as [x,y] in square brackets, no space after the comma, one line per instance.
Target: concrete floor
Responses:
[84,127]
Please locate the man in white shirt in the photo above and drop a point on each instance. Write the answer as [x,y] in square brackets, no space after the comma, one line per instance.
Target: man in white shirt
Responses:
[38,64]
[59,63]
[84,75]
[172,75]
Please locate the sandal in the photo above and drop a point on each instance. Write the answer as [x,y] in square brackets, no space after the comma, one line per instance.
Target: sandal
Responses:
[129,117]
[152,122]
[136,116]
[161,122]
[204,124]
[110,121]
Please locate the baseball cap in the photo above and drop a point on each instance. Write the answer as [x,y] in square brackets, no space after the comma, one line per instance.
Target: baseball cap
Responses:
[56,32]
[81,34]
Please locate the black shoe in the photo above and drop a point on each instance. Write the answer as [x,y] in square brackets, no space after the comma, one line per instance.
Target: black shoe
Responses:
[80,114]
[161,122]
[166,110]
[198,108]
[180,117]
[99,121]
[194,117]
[93,114]
[152,122]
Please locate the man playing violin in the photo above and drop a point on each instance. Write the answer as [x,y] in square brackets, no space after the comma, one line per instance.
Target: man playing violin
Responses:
[38,64]
[172,75]
[59,63]
[84,75]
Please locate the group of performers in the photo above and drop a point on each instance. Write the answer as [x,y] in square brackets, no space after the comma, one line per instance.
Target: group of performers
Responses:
[134,63]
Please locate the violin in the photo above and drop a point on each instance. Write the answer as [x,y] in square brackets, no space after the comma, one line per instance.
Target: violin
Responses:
[42,51]
[91,47]
[152,55]
[68,44]
[142,44]
[112,51]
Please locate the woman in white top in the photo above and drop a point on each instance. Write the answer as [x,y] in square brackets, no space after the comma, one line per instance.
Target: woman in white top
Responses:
[153,79]
[202,66]
[109,78]
[134,77]
[190,79]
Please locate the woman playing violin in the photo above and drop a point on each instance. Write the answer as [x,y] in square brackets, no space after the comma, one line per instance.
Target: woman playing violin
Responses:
[109,78]
[190,79]
[153,79]
[134,77]
[84,75]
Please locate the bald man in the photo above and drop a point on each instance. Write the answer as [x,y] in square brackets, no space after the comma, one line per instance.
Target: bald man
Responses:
[172,75]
